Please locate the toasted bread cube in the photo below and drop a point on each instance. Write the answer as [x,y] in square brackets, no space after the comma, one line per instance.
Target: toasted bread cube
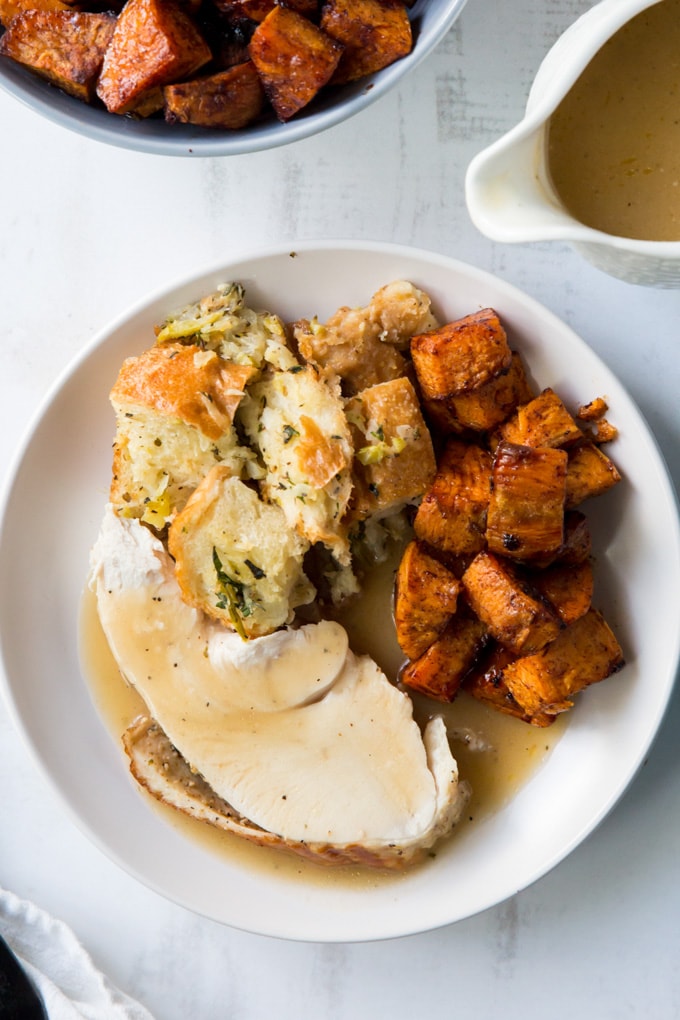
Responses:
[363,345]
[590,472]
[154,44]
[452,513]
[230,99]
[394,460]
[399,310]
[66,47]
[583,654]
[526,508]
[514,615]
[461,356]
[544,421]
[484,407]
[298,426]
[236,557]
[374,33]
[485,683]
[10,8]
[174,409]
[348,346]
[425,598]
[184,381]
[294,59]
[439,672]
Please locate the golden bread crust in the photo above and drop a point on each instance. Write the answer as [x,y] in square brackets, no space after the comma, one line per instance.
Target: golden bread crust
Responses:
[185,382]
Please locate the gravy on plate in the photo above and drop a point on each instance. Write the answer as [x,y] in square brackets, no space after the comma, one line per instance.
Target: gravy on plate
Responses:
[496,754]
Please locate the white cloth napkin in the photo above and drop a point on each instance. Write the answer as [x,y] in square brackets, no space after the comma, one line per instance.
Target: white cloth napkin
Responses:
[70,985]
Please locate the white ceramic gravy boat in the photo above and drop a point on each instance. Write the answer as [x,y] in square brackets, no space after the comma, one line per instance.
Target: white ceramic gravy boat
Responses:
[508,191]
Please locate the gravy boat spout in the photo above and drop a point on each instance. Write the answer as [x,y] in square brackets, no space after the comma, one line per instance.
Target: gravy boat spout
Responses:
[509,193]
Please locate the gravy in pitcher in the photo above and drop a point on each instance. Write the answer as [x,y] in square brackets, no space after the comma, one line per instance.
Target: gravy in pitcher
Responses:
[614,140]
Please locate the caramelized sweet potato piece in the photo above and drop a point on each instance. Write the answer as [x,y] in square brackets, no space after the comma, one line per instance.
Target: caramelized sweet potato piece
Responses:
[229,99]
[374,34]
[577,545]
[425,598]
[567,587]
[485,683]
[486,406]
[583,654]
[294,59]
[526,508]
[544,421]
[590,472]
[66,47]
[10,8]
[452,513]
[593,410]
[515,616]
[257,10]
[460,356]
[154,43]
[394,460]
[440,670]
[603,431]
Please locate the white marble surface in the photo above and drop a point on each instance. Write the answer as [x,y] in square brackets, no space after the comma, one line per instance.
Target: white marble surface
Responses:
[84,231]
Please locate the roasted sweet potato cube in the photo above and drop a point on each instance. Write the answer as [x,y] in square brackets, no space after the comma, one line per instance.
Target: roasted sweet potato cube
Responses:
[294,59]
[577,544]
[425,598]
[583,654]
[515,616]
[374,33]
[440,670]
[155,43]
[567,587]
[602,431]
[66,47]
[526,508]
[10,8]
[229,99]
[593,410]
[544,421]
[485,683]
[461,356]
[394,460]
[590,472]
[452,514]
[257,10]
[486,406]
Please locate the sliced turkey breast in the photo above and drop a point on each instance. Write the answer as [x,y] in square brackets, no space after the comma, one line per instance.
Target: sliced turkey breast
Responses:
[296,735]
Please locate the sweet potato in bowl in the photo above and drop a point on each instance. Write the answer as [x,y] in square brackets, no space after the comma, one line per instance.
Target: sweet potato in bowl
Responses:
[155,119]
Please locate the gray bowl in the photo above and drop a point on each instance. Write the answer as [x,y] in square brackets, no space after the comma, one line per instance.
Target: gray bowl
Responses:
[431,19]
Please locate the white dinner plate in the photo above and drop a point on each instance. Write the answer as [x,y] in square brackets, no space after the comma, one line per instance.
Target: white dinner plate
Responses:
[60,479]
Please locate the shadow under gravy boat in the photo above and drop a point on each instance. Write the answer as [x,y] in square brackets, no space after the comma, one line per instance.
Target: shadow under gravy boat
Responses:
[509,194]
